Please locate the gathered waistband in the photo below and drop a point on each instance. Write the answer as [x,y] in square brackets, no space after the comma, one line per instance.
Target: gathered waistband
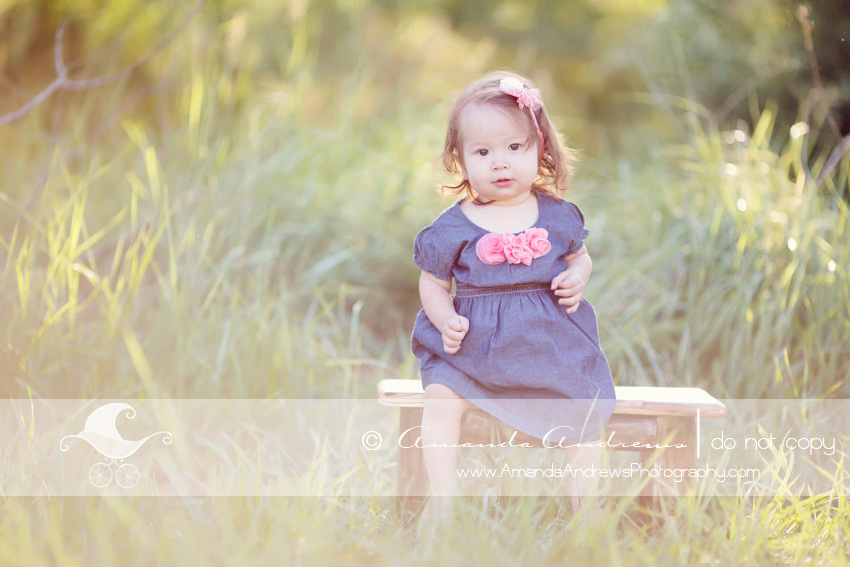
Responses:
[466,290]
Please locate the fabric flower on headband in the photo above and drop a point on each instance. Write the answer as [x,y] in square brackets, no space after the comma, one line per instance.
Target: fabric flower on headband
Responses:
[526,98]
[495,248]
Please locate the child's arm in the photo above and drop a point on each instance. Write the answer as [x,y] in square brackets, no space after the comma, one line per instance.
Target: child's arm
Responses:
[569,284]
[437,303]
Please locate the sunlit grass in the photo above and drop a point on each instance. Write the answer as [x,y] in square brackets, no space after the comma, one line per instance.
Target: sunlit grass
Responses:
[259,246]
[732,277]
[312,531]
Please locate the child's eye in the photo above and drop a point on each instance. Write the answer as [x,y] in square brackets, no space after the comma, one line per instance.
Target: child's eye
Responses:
[482,153]
[515,147]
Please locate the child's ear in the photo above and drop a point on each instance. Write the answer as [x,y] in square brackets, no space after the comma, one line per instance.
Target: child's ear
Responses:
[459,162]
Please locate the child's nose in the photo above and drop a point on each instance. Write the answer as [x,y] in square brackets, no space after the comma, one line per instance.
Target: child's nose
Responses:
[500,163]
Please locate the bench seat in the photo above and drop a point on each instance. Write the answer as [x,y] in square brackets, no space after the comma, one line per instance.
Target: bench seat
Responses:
[643,415]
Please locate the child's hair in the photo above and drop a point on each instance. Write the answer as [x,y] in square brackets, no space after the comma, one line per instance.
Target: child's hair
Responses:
[553,169]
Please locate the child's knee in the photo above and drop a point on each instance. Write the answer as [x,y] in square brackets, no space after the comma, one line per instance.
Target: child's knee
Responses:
[440,392]
[442,398]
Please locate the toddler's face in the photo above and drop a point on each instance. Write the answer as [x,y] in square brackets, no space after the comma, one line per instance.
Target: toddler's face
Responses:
[498,157]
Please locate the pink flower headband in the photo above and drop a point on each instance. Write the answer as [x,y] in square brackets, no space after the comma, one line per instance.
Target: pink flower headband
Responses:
[525,98]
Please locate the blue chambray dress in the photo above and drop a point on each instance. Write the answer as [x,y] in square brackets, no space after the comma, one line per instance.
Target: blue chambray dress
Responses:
[523,360]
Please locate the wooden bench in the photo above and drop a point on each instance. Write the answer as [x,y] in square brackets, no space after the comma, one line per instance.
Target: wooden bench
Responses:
[642,415]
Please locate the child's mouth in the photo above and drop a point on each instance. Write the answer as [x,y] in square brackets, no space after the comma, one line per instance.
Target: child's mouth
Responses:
[503,182]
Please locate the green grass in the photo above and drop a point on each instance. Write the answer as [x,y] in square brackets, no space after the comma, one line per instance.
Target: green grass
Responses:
[731,275]
[310,531]
[259,246]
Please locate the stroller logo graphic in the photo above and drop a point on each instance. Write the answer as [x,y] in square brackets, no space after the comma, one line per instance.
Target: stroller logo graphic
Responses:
[101,434]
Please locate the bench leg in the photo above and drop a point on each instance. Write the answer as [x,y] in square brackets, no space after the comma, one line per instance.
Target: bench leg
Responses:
[671,431]
[412,485]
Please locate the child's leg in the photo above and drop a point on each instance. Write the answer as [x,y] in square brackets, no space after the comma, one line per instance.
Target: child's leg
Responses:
[582,488]
[441,426]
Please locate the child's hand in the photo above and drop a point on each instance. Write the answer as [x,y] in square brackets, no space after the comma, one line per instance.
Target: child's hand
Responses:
[454,329]
[569,286]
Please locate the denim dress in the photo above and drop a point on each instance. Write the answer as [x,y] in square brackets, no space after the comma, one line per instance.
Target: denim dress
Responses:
[524,360]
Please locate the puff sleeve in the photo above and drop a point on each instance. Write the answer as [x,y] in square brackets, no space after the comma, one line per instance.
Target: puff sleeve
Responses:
[431,255]
[576,229]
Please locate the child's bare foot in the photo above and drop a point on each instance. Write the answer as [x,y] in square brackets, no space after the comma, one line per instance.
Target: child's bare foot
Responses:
[591,518]
[556,530]
[434,518]
[439,507]
[585,512]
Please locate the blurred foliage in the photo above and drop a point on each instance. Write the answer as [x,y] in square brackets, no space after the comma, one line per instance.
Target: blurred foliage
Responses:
[590,57]
[236,220]
[242,208]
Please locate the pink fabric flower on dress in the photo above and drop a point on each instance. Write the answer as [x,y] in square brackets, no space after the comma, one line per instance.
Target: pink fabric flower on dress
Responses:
[538,241]
[521,248]
[516,249]
[490,249]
